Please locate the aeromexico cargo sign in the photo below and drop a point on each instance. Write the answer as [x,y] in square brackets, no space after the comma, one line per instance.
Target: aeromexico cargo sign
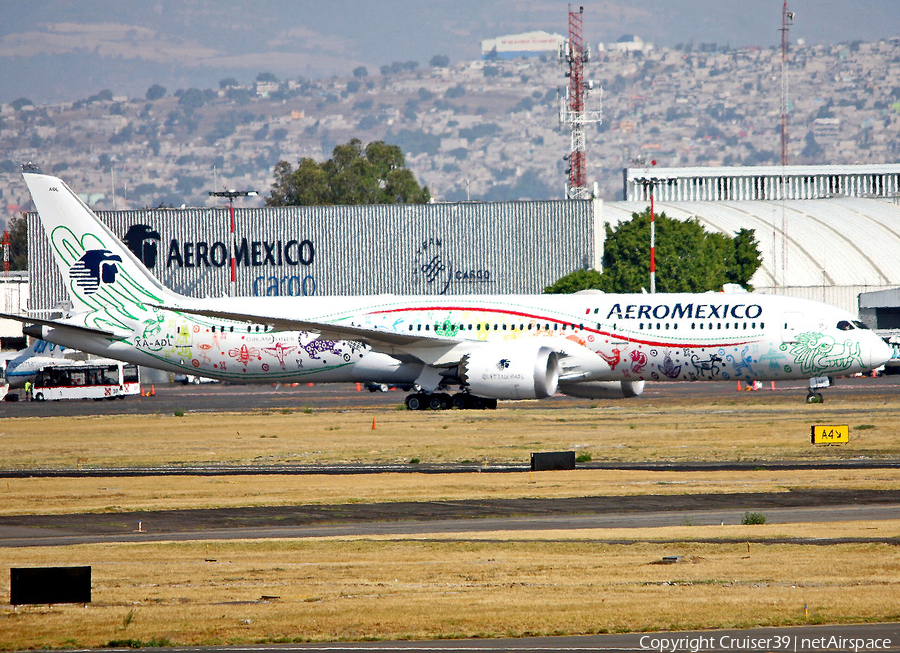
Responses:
[281,265]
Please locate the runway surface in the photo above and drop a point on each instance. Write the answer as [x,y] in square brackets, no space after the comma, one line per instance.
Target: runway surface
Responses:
[799,639]
[472,516]
[449,468]
[215,397]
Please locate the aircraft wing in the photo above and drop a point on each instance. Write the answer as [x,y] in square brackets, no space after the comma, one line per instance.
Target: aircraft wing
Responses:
[55,324]
[439,351]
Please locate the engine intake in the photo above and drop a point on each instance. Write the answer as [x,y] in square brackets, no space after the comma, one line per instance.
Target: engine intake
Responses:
[511,371]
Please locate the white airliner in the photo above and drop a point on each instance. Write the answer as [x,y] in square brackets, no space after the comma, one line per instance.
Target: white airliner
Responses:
[23,365]
[481,348]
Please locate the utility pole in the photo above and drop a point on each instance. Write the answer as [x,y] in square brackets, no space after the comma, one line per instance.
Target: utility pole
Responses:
[231,194]
[650,183]
[787,19]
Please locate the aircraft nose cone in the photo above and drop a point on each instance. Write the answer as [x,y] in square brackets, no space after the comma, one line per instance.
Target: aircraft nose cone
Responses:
[880,354]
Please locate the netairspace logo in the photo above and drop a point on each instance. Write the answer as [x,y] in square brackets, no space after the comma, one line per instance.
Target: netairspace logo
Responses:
[772,643]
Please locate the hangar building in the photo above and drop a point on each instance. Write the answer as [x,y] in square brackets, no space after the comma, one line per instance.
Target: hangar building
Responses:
[529,44]
[841,242]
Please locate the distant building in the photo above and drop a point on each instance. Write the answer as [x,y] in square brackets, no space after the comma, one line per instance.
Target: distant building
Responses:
[529,44]
[14,298]
[627,43]
[826,129]
[718,184]
[264,89]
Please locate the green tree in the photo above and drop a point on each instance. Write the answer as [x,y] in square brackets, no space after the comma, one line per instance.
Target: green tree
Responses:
[439,61]
[574,281]
[688,258]
[305,186]
[192,99]
[18,243]
[360,71]
[745,261]
[374,174]
[155,92]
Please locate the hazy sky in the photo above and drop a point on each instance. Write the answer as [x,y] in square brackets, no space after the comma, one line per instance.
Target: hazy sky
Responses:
[54,50]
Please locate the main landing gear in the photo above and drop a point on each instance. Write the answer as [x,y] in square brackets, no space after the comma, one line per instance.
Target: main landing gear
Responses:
[444,401]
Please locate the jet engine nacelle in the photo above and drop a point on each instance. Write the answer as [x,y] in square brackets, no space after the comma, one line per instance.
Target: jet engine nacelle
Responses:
[511,371]
[603,389]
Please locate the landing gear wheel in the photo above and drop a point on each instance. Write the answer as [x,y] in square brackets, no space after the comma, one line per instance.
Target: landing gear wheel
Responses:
[460,400]
[490,404]
[435,402]
[415,402]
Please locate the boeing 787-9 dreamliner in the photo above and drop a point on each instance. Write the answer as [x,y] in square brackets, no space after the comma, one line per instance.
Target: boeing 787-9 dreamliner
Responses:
[463,351]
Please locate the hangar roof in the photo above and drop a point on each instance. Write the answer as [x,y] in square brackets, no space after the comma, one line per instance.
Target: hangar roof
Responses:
[845,241]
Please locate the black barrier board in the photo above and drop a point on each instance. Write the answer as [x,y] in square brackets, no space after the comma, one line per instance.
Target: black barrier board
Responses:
[548,460]
[36,585]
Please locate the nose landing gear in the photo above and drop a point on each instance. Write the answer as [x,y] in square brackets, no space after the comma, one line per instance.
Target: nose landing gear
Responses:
[816,384]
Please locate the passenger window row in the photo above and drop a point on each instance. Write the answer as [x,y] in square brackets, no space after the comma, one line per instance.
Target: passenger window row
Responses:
[547,326]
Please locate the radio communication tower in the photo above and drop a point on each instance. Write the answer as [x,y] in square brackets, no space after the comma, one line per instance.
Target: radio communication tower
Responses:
[572,110]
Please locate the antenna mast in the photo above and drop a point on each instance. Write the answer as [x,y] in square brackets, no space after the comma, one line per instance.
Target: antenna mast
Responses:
[572,107]
[787,19]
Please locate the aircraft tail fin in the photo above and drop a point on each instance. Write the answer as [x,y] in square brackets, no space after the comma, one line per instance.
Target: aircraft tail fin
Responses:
[103,279]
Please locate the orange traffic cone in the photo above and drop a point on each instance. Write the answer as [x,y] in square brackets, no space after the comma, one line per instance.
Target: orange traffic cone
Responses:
[359,387]
[152,390]
[739,386]
[373,423]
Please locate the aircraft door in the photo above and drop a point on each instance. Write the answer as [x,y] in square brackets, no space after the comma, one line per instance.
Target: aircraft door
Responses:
[184,341]
[791,326]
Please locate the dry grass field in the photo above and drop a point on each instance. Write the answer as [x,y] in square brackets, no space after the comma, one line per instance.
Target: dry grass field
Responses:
[460,585]
[766,427]
[513,585]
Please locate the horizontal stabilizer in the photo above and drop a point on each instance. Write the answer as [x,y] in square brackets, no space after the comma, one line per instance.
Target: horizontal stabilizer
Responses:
[54,324]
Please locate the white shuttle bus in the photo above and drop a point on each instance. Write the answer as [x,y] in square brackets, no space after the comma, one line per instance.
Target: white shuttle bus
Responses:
[87,380]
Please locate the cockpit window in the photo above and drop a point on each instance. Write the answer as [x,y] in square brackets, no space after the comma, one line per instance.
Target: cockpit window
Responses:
[859,325]
[844,325]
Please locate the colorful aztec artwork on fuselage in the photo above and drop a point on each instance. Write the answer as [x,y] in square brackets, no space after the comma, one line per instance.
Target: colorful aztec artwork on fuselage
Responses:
[121,311]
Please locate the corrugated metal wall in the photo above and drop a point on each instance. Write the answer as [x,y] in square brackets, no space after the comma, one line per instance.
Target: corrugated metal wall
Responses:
[465,248]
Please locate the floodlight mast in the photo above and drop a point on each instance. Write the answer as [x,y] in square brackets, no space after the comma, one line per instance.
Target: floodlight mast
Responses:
[650,183]
[231,194]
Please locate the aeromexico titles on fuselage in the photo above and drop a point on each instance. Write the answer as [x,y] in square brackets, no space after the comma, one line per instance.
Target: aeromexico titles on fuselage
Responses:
[685,310]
